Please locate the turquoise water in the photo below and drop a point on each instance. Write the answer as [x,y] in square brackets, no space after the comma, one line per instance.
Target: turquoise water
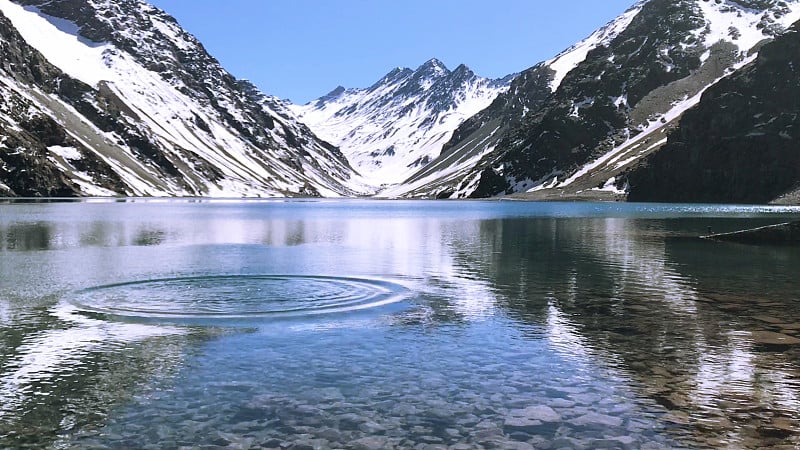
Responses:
[372,324]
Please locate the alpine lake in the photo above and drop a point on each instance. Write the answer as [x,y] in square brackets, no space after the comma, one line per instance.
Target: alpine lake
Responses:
[366,324]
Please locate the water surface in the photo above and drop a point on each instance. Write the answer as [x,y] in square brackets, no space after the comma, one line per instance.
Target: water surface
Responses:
[371,324]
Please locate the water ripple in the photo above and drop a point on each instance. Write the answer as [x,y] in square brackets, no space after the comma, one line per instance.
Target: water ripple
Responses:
[227,297]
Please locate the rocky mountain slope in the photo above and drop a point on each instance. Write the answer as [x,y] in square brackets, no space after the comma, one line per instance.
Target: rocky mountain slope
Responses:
[399,124]
[114,98]
[572,125]
[740,143]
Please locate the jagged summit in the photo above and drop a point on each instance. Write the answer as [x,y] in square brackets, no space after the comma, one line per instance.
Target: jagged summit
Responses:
[333,95]
[399,124]
[433,67]
[397,73]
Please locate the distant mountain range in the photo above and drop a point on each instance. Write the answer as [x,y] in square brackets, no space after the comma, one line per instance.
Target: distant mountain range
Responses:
[675,100]
[399,124]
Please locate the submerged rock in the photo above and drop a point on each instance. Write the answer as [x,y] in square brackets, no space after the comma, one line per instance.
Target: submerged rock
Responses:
[531,416]
[770,338]
[597,419]
[370,443]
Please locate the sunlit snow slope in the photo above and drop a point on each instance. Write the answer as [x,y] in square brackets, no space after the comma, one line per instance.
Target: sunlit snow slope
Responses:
[122,101]
[398,125]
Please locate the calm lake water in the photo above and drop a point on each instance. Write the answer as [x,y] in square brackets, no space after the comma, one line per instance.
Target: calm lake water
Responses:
[380,324]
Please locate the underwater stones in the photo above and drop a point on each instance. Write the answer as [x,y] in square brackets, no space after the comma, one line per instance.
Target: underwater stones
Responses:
[769,319]
[461,446]
[624,440]
[587,398]
[674,400]
[370,427]
[561,403]
[404,409]
[712,424]
[531,416]
[306,410]
[597,419]
[521,422]
[511,444]
[330,394]
[350,421]
[487,434]
[235,441]
[783,423]
[566,442]
[330,434]
[311,444]
[370,443]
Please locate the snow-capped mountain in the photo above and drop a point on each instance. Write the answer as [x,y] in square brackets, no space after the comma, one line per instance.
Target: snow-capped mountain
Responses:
[112,97]
[103,97]
[398,125]
[572,125]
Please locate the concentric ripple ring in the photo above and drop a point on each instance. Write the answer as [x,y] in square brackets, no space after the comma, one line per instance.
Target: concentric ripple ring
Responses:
[237,297]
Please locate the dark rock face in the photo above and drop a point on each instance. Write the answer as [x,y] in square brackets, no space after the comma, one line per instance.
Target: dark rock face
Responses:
[532,133]
[527,92]
[741,143]
[29,173]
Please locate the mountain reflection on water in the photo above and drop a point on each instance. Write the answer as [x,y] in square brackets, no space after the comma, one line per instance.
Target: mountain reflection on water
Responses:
[675,313]
[616,301]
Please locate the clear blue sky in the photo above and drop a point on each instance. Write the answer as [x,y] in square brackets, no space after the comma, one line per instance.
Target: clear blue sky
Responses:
[301,49]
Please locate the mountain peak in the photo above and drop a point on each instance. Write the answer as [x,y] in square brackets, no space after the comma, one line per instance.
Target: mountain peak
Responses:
[397,74]
[338,91]
[433,65]
[463,70]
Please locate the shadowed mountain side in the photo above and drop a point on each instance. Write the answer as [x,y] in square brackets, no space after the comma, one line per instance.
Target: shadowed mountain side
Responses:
[740,144]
